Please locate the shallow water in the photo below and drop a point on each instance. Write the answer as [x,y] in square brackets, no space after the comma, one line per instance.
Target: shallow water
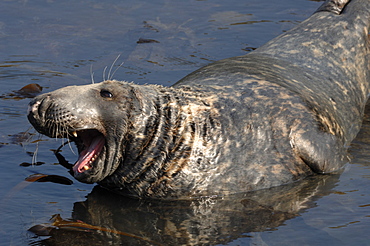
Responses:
[60,43]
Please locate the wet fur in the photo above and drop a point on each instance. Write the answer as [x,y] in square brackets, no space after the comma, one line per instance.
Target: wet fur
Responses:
[283,112]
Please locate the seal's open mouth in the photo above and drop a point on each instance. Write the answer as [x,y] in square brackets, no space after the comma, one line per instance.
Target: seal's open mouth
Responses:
[89,144]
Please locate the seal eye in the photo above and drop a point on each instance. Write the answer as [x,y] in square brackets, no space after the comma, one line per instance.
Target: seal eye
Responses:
[106,94]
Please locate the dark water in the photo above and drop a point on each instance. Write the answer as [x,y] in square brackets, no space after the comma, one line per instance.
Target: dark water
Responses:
[59,43]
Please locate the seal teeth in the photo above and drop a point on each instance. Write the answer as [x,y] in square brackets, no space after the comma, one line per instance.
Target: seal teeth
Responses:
[86,167]
[74,133]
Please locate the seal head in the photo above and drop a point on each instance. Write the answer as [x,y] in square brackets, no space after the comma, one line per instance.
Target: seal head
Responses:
[80,120]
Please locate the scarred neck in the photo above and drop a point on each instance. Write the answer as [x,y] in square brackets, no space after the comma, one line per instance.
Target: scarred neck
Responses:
[169,133]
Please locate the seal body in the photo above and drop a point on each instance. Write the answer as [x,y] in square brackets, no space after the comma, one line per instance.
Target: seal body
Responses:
[271,117]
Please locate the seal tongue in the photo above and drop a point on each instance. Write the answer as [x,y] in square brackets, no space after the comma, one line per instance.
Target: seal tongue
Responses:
[93,147]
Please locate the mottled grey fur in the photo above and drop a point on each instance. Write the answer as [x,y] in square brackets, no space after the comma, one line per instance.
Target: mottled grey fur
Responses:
[271,117]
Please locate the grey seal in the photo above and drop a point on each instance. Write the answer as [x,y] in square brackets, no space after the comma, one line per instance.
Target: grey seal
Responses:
[283,112]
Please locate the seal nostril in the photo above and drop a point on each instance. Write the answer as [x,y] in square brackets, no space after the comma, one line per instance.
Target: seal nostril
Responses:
[106,94]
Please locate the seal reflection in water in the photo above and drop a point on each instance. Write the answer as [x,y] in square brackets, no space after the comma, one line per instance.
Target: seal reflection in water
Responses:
[271,117]
[107,219]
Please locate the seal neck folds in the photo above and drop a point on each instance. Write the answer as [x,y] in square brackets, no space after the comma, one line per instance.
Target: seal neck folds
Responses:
[170,127]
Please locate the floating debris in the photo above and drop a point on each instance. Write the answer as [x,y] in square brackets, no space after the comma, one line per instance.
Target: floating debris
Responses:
[59,223]
[27,91]
[27,164]
[146,41]
[39,177]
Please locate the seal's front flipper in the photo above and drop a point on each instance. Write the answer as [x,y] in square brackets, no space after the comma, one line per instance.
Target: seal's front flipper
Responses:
[321,151]
[333,6]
